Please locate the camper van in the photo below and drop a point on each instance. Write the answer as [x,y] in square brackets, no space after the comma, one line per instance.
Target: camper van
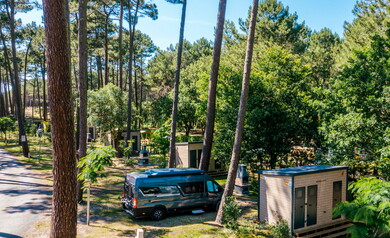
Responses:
[157,192]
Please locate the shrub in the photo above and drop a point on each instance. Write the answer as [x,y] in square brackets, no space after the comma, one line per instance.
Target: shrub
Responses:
[254,187]
[160,161]
[281,229]
[370,209]
[231,213]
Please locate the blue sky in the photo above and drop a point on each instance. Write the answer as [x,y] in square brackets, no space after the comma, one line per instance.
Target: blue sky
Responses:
[202,15]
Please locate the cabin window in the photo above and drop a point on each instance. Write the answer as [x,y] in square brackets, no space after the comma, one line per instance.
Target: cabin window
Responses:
[192,187]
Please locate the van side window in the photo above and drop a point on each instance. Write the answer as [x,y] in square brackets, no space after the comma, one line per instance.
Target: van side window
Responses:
[169,190]
[192,187]
[150,190]
[211,187]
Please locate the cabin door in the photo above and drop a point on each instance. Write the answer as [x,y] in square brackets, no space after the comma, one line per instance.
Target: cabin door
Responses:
[312,205]
[299,208]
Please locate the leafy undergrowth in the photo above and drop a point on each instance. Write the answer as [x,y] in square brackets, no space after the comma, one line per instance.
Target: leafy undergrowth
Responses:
[109,220]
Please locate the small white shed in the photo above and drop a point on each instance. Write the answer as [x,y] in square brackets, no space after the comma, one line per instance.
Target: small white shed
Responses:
[303,196]
[188,156]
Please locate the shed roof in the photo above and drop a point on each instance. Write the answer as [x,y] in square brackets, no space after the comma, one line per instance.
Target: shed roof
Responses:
[308,169]
[189,143]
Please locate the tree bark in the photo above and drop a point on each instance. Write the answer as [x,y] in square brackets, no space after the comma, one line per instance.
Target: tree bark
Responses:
[241,114]
[99,69]
[43,68]
[6,103]
[106,50]
[64,208]
[172,141]
[39,100]
[8,80]
[130,74]
[82,87]
[2,94]
[141,97]
[25,78]
[16,86]
[212,94]
[120,45]
[33,99]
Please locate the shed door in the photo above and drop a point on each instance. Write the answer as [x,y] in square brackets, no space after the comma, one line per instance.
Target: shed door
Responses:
[193,158]
[312,205]
[299,208]
[336,194]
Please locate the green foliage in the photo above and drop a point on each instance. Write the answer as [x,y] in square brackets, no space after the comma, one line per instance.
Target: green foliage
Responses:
[126,148]
[370,209]
[371,18]
[160,161]
[355,112]
[30,128]
[231,213]
[249,228]
[254,186]
[158,111]
[92,165]
[7,124]
[279,113]
[281,229]
[277,26]
[107,108]
[160,140]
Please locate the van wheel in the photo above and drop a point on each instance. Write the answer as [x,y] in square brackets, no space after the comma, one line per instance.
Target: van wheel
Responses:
[158,214]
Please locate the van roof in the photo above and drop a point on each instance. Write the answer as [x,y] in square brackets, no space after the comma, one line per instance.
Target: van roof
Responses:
[152,173]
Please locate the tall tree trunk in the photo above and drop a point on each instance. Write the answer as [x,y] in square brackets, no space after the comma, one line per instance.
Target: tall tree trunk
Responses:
[8,80]
[241,113]
[172,142]
[141,96]
[135,86]
[6,92]
[90,76]
[16,82]
[99,71]
[33,99]
[44,94]
[64,210]
[130,75]
[210,118]
[25,78]
[39,100]
[120,45]
[82,87]
[43,69]
[106,50]
[2,93]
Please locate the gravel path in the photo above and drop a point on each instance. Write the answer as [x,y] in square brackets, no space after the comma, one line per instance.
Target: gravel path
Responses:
[24,196]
